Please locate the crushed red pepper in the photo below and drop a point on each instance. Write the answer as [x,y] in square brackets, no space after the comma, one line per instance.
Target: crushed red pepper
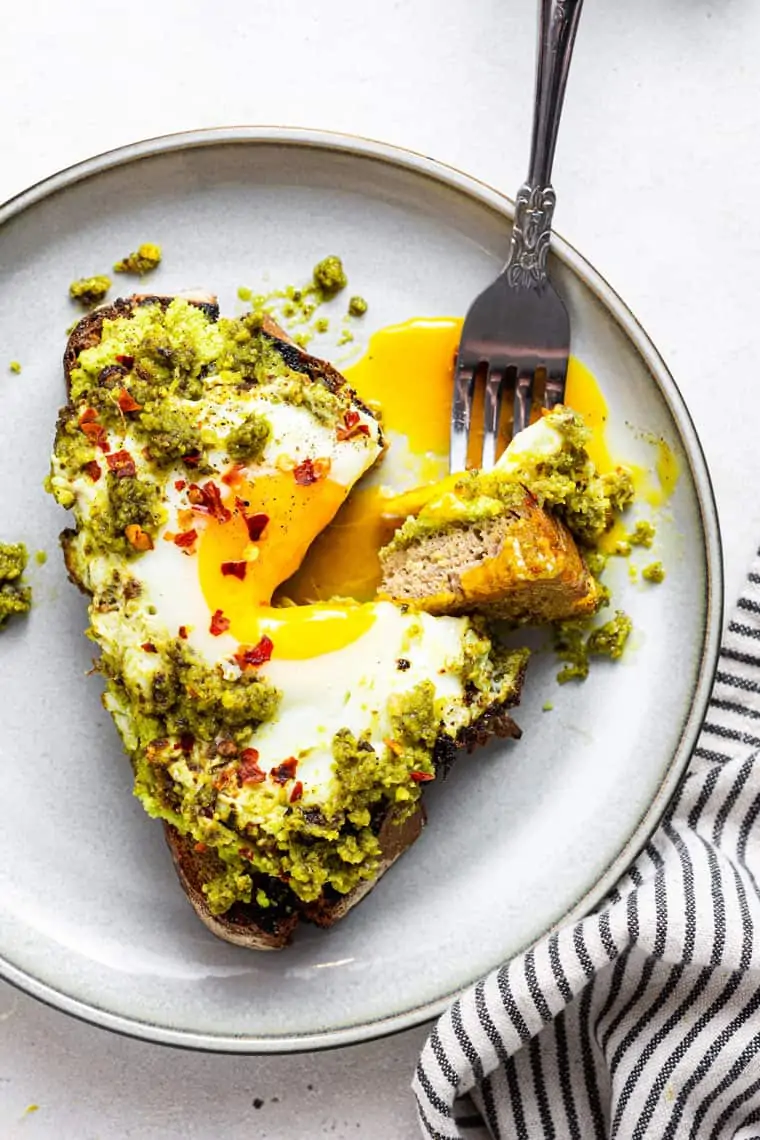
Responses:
[234,569]
[126,361]
[93,469]
[180,484]
[351,426]
[127,402]
[186,539]
[219,623]
[122,464]
[148,647]
[422,777]
[250,656]
[297,791]
[285,771]
[207,500]
[248,771]
[183,632]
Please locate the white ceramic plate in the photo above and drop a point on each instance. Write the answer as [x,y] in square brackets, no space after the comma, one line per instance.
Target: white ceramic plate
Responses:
[91,916]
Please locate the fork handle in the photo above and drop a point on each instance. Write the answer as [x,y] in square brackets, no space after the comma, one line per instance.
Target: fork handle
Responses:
[534,205]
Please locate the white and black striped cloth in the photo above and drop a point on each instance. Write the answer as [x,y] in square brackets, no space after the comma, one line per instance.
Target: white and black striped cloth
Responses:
[643,1019]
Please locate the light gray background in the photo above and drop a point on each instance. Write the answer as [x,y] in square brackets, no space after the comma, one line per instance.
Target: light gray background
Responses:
[658,173]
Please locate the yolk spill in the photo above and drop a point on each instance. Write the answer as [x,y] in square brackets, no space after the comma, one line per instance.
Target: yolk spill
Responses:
[295,513]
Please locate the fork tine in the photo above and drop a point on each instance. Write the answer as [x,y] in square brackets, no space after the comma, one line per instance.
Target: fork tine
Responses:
[556,381]
[494,389]
[523,399]
[461,413]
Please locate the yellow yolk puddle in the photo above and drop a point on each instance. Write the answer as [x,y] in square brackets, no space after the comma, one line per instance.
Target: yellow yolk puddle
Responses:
[296,514]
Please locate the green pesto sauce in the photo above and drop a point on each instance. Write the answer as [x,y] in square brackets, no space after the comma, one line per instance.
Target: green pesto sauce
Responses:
[15,367]
[15,598]
[357,307]
[330,276]
[88,291]
[249,439]
[258,830]
[643,534]
[41,557]
[654,572]
[146,258]
[574,645]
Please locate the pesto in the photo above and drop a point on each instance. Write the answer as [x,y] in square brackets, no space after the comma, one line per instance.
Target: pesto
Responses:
[654,572]
[15,598]
[248,440]
[15,367]
[146,258]
[89,291]
[329,276]
[575,645]
[643,534]
[357,307]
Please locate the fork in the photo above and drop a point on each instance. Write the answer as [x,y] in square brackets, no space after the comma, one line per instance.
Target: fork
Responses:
[518,329]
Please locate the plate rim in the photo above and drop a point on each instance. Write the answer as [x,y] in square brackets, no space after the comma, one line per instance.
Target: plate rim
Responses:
[483,193]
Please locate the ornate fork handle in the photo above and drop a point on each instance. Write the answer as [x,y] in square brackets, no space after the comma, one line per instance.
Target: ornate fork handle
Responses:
[534,207]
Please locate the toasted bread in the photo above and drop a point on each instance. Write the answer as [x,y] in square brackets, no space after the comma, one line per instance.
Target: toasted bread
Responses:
[250,925]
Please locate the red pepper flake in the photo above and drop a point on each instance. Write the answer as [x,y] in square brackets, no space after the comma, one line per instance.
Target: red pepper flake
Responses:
[93,470]
[183,632]
[192,459]
[234,569]
[88,416]
[122,464]
[250,656]
[351,426]
[201,848]
[126,361]
[219,623]
[185,743]
[256,524]
[207,500]
[422,777]
[285,771]
[248,769]
[304,473]
[186,539]
[234,475]
[127,402]
[297,791]
[96,434]
[180,484]
[148,647]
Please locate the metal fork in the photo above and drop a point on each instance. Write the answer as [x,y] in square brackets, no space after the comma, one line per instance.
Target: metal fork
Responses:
[519,326]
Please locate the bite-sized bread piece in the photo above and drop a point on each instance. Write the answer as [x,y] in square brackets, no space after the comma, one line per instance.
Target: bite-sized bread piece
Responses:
[523,565]
[505,542]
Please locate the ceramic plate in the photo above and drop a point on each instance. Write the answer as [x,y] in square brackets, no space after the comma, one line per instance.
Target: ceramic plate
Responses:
[92,918]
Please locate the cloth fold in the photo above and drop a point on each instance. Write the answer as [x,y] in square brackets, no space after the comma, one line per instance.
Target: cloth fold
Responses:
[643,1019]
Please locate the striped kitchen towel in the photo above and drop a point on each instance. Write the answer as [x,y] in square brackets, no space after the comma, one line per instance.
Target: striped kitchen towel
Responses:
[643,1019]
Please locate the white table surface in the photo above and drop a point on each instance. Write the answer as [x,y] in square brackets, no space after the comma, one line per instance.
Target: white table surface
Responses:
[658,174]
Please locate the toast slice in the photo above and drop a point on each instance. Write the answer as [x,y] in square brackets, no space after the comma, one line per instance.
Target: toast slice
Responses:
[256,924]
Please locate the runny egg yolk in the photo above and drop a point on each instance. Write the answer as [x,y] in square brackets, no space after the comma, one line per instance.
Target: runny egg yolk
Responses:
[239,568]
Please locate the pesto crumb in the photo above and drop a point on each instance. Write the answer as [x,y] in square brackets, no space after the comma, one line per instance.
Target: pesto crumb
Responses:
[609,639]
[89,290]
[623,549]
[642,534]
[322,325]
[346,337]
[40,557]
[547,706]
[329,276]
[357,307]
[244,293]
[654,572]
[15,598]
[15,366]
[142,261]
